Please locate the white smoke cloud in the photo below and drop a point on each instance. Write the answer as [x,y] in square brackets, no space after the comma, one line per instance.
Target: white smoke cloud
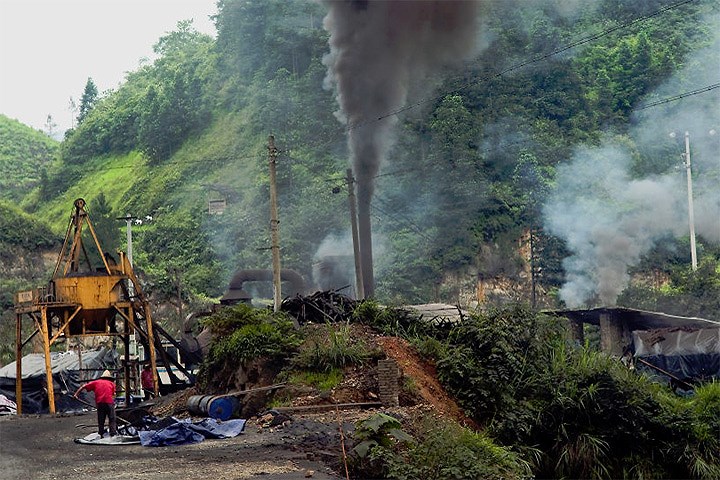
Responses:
[609,219]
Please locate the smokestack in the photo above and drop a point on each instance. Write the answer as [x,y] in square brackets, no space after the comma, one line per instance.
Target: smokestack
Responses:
[377,48]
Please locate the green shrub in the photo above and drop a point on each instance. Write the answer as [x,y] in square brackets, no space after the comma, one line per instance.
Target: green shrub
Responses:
[382,318]
[375,438]
[442,450]
[330,347]
[492,360]
[573,412]
[242,333]
[429,348]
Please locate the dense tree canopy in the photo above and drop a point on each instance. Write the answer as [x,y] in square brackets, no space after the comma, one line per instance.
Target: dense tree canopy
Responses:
[466,179]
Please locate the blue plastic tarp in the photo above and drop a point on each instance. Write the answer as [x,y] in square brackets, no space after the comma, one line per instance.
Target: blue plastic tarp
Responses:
[212,428]
[175,434]
[184,432]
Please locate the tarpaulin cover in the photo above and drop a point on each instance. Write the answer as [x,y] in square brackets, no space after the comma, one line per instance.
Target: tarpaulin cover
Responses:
[212,428]
[66,377]
[7,406]
[690,368]
[676,341]
[175,434]
[185,432]
[96,439]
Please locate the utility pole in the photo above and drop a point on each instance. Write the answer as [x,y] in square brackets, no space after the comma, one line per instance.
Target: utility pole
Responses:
[691,213]
[360,288]
[533,280]
[275,242]
[128,220]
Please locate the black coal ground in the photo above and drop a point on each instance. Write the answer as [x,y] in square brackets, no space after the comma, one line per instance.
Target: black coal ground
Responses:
[42,447]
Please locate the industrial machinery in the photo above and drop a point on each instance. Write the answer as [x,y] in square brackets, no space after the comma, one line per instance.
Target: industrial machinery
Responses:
[86,300]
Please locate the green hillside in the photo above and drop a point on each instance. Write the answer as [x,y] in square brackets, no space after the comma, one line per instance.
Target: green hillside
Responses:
[25,154]
[545,171]
[472,168]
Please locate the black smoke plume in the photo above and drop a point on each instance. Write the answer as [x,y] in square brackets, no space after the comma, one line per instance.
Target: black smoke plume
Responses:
[378,50]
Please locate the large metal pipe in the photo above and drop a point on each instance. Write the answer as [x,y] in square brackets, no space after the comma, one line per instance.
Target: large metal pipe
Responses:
[297,283]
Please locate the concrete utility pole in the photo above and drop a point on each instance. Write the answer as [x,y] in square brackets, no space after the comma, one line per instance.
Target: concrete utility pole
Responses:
[275,242]
[128,220]
[691,213]
[360,288]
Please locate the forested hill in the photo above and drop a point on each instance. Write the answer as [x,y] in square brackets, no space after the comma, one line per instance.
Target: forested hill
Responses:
[25,154]
[473,162]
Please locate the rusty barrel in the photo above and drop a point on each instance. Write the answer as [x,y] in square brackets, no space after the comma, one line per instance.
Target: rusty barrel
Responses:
[218,407]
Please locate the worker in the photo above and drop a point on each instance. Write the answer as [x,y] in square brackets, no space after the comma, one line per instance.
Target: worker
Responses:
[104,388]
[147,381]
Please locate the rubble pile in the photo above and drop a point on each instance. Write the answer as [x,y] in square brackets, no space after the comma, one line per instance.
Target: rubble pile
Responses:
[320,307]
[173,404]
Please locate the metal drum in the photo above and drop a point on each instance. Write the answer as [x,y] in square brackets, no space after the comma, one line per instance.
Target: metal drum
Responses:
[218,407]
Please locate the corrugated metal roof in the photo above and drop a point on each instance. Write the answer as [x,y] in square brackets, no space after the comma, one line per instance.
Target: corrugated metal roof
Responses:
[430,311]
[34,364]
[636,319]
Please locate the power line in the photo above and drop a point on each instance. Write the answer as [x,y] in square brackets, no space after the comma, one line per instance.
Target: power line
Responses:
[411,225]
[517,66]
[679,96]
[537,58]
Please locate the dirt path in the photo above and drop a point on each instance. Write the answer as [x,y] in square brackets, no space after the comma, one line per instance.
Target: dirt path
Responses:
[424,376]
[42,448]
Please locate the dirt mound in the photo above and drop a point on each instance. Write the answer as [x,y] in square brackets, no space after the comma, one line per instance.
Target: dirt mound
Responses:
[174,404]
[424,376]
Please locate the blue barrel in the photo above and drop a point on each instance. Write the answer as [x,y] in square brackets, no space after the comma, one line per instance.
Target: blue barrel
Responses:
[218,407]
[222,408]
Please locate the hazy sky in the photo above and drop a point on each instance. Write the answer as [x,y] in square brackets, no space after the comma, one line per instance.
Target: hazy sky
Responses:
[49,48]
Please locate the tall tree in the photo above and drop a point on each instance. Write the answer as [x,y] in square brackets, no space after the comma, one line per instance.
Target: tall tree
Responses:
[88,99]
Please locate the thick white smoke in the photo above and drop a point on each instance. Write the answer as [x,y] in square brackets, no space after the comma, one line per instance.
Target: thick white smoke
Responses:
[610,219]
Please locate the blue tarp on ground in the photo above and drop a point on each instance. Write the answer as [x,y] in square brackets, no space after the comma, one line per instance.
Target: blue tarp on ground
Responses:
[185,432]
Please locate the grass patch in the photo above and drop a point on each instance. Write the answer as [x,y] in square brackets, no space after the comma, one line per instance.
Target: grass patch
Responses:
[332,347]
[438,449]
[323,381]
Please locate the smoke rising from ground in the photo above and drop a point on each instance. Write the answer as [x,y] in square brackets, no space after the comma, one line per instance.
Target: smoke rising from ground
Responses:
[610,219]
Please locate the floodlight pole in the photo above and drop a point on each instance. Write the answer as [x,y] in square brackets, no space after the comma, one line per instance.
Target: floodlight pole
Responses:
[691,212]
[128,220]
